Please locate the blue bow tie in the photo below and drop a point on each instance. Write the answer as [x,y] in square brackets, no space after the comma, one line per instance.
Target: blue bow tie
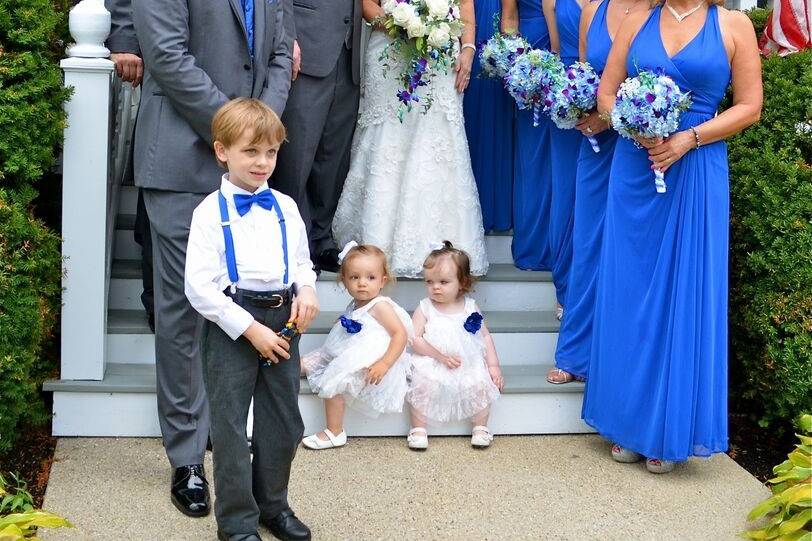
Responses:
[264,199]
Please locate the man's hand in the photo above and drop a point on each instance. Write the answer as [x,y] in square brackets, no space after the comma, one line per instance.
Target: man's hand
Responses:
[297,61]
[129,67]
[305,307]
[267,343]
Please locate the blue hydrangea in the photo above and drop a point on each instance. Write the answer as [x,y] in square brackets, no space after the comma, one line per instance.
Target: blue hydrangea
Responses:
[531,79]
[497,54]
[575,95]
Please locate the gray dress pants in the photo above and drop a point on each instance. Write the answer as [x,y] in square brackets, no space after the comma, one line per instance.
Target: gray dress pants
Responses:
[183,412]
[248,490]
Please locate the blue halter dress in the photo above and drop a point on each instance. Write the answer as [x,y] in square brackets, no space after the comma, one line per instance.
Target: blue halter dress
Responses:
[488,113]
[591,182]
[564,148]
[532,170]
[657,380]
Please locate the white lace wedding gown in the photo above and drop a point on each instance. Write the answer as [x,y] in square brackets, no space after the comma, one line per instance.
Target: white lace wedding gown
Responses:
[410,184]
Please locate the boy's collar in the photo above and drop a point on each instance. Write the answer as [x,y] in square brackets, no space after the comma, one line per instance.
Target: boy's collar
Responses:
[230,189]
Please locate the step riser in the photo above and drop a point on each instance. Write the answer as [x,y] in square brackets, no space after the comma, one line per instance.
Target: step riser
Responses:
[135,414]
[497,247]
[513,348]
[491,296]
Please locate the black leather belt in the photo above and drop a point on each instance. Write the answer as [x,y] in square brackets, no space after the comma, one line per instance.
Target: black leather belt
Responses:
[261,299]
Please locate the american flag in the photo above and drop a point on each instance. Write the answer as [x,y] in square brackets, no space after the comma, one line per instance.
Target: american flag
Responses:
[788,30]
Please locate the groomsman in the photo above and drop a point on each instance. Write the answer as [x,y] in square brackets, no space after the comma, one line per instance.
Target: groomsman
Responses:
[197,55]
[320,116]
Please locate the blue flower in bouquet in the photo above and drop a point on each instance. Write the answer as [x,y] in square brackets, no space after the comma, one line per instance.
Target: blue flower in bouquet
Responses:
[575,95]
[497,54]
[531,79]
[473,323]
[649,105]
[352,326]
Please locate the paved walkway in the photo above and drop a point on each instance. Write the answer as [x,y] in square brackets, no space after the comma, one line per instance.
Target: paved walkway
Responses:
[539,488]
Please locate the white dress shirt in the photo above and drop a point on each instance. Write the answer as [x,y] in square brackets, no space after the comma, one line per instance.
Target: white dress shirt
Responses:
[258,251]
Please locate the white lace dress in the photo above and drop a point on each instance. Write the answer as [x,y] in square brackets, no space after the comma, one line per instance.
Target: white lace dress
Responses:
[339,366]
[443,394]
[410,184]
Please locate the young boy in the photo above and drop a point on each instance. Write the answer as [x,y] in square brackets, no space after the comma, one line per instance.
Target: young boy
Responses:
[248,272]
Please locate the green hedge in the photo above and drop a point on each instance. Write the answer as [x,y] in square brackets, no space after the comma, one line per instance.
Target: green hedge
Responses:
[31,91]
[30,267]
[771,248]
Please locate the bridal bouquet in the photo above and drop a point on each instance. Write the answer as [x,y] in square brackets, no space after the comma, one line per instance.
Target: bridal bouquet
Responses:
[531,78]
[497,54]
[649,105]
[574,96]
[423,33]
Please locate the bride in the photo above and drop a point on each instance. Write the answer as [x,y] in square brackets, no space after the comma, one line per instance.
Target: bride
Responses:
[410,183]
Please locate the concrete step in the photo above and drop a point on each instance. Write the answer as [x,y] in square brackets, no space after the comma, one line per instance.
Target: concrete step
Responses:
[124,404]
[520,337]
[497,244]
[504,288]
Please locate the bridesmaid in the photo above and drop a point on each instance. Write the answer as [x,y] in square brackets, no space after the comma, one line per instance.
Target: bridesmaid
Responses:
[489,124]
[599,22]
[563,17]
[657,380]
[531,170]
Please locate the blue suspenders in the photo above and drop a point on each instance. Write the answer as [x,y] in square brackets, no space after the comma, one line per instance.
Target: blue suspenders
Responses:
[231,259]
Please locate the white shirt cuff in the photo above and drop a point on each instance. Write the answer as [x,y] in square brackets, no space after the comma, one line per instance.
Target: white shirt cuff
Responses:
[235,321]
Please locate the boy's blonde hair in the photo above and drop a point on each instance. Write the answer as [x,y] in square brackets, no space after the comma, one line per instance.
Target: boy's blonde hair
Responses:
[242,115]
[460,259]
[365,249]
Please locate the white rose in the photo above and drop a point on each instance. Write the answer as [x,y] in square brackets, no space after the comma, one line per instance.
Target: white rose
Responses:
[416,28]
[389,5]
[403,13]
[437,8]
[439,36]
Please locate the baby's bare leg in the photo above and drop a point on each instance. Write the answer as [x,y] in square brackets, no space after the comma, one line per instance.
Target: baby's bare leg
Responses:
[334,412]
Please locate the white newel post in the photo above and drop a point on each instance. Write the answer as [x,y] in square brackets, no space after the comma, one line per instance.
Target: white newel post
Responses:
[85,193]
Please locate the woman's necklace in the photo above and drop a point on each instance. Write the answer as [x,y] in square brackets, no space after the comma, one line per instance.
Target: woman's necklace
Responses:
[682,16]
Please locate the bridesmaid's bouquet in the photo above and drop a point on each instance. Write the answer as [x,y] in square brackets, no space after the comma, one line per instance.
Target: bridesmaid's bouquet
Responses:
[497,54]
[574,96]
[531,79]
[423,33]
[649,105]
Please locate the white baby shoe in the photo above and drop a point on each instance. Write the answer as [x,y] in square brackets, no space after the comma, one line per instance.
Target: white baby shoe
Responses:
[481,437]
[418,438]
[316,443]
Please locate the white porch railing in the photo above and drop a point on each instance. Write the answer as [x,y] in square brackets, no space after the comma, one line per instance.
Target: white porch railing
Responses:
[93,167]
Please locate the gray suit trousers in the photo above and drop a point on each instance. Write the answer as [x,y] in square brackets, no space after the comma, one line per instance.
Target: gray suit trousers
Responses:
[320,118]
[183,411]
[247,490]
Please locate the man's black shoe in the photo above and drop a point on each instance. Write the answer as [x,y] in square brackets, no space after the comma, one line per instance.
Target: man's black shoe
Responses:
[223,536]
[190,491]
[328,260]
[287,527]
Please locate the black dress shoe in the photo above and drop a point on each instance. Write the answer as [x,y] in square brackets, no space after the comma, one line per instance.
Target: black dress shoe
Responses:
[190,491]
[223,536]
[328,260]
[287,527]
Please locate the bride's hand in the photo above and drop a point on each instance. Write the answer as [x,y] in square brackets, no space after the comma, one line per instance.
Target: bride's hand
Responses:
[463,68]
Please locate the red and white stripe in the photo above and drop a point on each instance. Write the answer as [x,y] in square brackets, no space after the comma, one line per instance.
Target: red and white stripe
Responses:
[788,30]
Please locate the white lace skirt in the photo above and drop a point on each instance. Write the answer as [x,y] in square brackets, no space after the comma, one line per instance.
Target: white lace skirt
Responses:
[411,183]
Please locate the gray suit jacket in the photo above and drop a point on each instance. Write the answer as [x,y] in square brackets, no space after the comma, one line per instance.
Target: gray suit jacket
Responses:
[320,27]
[122,31]
[196,58]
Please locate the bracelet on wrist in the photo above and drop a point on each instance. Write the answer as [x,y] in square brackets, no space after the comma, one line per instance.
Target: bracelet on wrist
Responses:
[697,139]
[468,46]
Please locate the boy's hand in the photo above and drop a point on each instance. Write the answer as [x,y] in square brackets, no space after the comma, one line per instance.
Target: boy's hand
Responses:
[451,361]
[496,376]
[267,343]
[376,372]
[305,308]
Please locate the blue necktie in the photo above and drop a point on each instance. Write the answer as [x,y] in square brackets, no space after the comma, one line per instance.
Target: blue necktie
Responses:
[248,12]
[264,199]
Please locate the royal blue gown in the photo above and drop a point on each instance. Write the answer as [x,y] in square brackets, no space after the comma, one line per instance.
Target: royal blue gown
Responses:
[489,122]
[657,380]
[532,170]
[591,182]
[565,146]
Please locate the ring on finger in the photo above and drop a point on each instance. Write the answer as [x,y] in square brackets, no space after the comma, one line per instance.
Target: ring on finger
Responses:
[588,129]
